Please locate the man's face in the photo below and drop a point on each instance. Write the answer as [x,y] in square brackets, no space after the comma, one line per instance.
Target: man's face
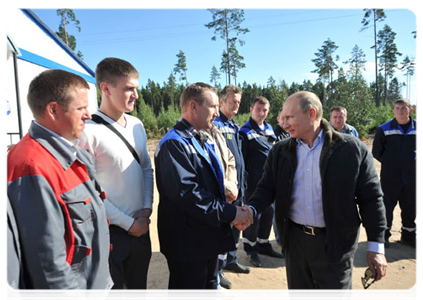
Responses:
[124,94]
[295,121]
[259,112]
[231,106]
[71,122]
[338,119]
[402,112]
[207,112]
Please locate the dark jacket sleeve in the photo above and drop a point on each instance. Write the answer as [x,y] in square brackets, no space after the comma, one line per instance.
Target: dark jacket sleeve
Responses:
[265,192]
[184,185]
[378,144]
[369,198]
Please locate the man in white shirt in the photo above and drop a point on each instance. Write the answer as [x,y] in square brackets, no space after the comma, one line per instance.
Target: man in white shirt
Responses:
[126,177]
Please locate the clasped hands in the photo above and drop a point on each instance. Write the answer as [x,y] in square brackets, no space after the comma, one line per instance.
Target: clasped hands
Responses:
[141,222]
[244,217]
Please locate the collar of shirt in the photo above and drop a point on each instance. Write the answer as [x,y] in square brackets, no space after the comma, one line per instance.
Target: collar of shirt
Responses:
[71,145]
[307,205]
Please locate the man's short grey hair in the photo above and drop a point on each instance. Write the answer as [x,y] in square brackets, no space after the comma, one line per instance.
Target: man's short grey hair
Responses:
[309,100]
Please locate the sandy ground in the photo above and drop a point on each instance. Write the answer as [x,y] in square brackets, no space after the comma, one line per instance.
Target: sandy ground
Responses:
[401,272]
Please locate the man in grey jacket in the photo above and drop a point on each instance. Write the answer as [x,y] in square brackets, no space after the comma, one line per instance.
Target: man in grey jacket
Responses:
[57,204]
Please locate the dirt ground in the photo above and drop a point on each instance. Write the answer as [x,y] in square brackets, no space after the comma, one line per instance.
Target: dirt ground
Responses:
[401,273]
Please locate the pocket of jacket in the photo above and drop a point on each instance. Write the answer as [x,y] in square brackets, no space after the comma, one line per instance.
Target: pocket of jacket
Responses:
[79,204]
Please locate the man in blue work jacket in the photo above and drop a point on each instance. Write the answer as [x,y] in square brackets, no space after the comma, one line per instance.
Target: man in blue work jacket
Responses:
[394,146]
[258,139]
[194,220]
[230,99]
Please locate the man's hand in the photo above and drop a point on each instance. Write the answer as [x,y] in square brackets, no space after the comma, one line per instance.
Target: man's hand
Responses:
[139,227]
[143,213]
[232,196]
[377,264]
[141,223]
[244,217]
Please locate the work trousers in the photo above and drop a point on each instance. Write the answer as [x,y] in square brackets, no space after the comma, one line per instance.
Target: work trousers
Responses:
[406,197]
[256,236]
[308,265]
[129,259]
[194,274]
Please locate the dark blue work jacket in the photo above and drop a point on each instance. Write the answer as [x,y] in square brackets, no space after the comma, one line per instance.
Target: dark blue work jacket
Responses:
[193,217]
[396,151]
[230,131]
[256,145]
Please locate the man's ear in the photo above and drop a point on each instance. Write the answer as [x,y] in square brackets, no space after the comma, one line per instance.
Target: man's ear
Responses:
[312,113]
[51,110]
[193,106]
[104,87]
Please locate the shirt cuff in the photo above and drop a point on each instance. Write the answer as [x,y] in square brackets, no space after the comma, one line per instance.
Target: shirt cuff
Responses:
[376,247]
[254,210]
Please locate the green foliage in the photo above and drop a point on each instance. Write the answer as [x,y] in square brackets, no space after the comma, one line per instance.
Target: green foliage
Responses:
[380,115]
[240,119]
[227,23]
[146,115]
[67,17]
[416,113]
[167,118]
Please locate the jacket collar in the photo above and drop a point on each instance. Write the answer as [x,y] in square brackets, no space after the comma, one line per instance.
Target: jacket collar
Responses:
[53,144]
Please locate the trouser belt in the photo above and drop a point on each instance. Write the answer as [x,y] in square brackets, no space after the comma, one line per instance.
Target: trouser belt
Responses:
[310,229]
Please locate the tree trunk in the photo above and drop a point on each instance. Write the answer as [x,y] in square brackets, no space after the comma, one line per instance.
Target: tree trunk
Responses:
[227,45]
[377,85]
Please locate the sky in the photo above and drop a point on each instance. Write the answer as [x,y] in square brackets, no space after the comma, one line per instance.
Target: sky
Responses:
[281,42]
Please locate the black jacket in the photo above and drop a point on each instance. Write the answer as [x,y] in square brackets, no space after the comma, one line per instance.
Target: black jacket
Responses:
[349,182]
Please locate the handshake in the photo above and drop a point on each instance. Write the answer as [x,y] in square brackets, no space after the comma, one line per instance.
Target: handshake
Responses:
[244,217]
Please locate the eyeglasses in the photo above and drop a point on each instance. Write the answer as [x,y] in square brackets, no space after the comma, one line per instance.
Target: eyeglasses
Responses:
[367,276]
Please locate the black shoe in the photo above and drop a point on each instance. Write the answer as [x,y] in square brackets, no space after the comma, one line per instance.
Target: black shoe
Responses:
[408,241]
[237,268]
[224,282]
[254,259]
[272,253]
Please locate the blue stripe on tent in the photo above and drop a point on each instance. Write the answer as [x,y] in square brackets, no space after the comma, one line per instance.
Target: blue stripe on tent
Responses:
[49,64]
[33,16]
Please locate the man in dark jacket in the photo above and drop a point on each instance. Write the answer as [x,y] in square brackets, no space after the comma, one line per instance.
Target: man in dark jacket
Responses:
[257,140]
[193,217]
[394,146]
[318,179]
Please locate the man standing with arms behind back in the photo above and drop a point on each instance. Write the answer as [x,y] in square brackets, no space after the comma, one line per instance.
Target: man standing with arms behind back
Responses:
[57,204]
[395,147]
[324,185]
[118,143]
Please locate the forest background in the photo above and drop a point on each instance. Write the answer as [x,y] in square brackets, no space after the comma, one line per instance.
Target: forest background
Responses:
[338,83]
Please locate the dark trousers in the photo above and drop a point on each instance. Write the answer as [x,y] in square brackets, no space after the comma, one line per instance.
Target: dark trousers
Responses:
[129,259]
[193,275]
[229,258]
[257,235]
[406,197]
[308,266]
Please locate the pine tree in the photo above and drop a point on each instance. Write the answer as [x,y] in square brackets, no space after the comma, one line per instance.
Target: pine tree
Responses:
[226,23]
[367,22]
[67,17]
[181,66]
